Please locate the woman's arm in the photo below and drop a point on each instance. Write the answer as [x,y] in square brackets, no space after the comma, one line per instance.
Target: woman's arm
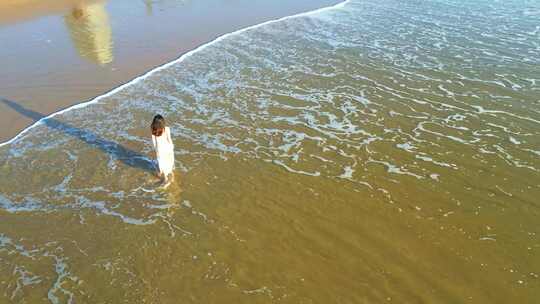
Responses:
[169,135]
[154,142]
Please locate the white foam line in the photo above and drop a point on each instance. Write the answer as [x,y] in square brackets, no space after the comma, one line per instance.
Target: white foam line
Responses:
[164,66]
[278,162]
[482,110]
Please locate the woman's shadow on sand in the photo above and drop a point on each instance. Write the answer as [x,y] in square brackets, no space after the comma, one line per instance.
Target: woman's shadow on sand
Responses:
[115,150]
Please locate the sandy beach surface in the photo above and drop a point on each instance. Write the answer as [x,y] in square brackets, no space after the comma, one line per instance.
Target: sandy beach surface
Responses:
[65,52]
[367,152]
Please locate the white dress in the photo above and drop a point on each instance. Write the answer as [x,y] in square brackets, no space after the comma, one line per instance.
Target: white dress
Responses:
[165,151]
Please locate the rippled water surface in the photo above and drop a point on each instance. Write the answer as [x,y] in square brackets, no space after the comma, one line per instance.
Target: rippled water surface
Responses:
[372,152]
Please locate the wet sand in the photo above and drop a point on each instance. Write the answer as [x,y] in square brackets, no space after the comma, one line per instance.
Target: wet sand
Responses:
[371,152]
[65,52]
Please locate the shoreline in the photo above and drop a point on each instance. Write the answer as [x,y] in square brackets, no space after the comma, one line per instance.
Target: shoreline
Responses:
[58,108]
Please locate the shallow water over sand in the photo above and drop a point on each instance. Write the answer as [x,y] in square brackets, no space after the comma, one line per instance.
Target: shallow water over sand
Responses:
[362,154]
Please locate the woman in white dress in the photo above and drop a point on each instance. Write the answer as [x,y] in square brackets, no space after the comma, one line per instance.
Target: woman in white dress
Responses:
[163,145]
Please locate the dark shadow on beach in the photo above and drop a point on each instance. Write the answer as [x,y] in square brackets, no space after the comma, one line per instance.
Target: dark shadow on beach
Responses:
[117,151]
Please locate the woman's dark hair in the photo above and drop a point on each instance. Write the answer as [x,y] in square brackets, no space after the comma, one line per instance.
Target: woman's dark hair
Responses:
[158,125]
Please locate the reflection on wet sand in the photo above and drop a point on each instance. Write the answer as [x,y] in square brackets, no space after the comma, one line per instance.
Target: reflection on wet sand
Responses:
[16,11]
[90,31]
[149,7]
[87,22]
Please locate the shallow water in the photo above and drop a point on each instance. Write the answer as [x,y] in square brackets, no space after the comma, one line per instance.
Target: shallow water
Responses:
[361,154]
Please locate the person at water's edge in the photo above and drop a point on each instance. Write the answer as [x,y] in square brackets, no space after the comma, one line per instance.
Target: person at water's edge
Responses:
[163,145]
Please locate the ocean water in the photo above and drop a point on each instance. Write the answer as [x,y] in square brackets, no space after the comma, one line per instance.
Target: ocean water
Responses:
[370,152]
